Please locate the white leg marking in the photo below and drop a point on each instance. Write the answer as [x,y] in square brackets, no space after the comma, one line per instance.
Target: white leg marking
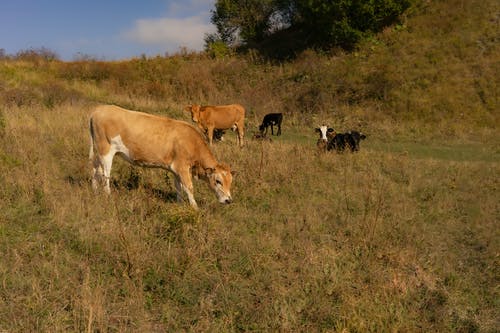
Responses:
[190,197]
[96,173]
[107,162]
[178,188]
[181,178]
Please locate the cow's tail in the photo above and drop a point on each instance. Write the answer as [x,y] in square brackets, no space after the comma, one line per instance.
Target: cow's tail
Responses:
[92,139]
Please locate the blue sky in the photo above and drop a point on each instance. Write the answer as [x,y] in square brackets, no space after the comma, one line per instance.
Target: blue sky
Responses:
[104,29]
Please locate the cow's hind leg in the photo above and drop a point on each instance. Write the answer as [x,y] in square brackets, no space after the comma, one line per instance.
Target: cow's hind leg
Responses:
[240,128]
[107,162]
[97,172]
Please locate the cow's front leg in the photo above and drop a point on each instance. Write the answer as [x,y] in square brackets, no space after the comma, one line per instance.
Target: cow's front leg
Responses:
[184,182]
[210,133]
[178,188]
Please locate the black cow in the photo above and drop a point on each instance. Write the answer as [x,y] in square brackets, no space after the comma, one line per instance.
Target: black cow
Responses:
[353,139]
[271,119]
[341,141]
[219,134]
[337,142]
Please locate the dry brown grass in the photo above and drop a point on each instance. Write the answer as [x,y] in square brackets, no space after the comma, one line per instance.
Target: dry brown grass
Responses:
[401,236]
[371,241]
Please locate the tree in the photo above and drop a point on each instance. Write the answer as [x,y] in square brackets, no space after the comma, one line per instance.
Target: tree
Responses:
[304,23]
[246,19]
[343,22]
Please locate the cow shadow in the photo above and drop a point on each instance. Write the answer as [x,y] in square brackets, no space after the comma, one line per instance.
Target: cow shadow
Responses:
[161,194]
[133,182]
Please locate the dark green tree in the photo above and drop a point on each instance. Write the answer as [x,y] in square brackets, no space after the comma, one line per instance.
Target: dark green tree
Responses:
[298,24]
[343,22]
[242,20]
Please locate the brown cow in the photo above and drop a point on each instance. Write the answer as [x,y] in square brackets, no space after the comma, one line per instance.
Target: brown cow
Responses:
[222,117]
[153,141]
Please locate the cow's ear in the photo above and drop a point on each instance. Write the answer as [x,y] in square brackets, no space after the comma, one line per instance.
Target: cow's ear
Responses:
[317,129]
[330,130]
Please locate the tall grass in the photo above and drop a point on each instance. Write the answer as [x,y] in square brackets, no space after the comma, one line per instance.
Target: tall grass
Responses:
[362,242]
[401,236]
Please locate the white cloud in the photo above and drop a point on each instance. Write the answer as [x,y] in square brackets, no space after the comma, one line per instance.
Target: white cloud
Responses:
[174,31]
[171,32]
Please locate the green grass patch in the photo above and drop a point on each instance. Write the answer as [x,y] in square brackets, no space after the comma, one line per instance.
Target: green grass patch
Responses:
[459,152]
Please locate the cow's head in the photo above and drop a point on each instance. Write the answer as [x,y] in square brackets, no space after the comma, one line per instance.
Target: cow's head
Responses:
[325,132]
[219,180]
[195,112]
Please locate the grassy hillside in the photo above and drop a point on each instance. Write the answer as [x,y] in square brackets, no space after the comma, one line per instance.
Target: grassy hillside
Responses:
[402,236]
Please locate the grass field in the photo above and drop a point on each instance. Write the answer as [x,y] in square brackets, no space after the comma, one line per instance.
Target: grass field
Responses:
[459,152]
[400,237]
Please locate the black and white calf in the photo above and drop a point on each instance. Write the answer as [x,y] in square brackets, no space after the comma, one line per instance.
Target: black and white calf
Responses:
[326,133]
[271,119]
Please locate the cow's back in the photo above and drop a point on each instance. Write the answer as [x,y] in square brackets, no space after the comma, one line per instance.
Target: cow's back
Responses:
[222,116]
[148,137]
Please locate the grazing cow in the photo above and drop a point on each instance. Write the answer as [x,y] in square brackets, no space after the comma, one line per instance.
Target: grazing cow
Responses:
[220,117]
[219,135]
[341,141]
[153,141]
[271,119]
[325,134]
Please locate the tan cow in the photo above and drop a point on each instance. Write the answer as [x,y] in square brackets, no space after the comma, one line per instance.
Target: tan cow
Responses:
[221,117]
[153,141]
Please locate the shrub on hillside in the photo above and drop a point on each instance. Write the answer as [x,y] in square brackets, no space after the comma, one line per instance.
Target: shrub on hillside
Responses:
[35,55]
[85,70]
